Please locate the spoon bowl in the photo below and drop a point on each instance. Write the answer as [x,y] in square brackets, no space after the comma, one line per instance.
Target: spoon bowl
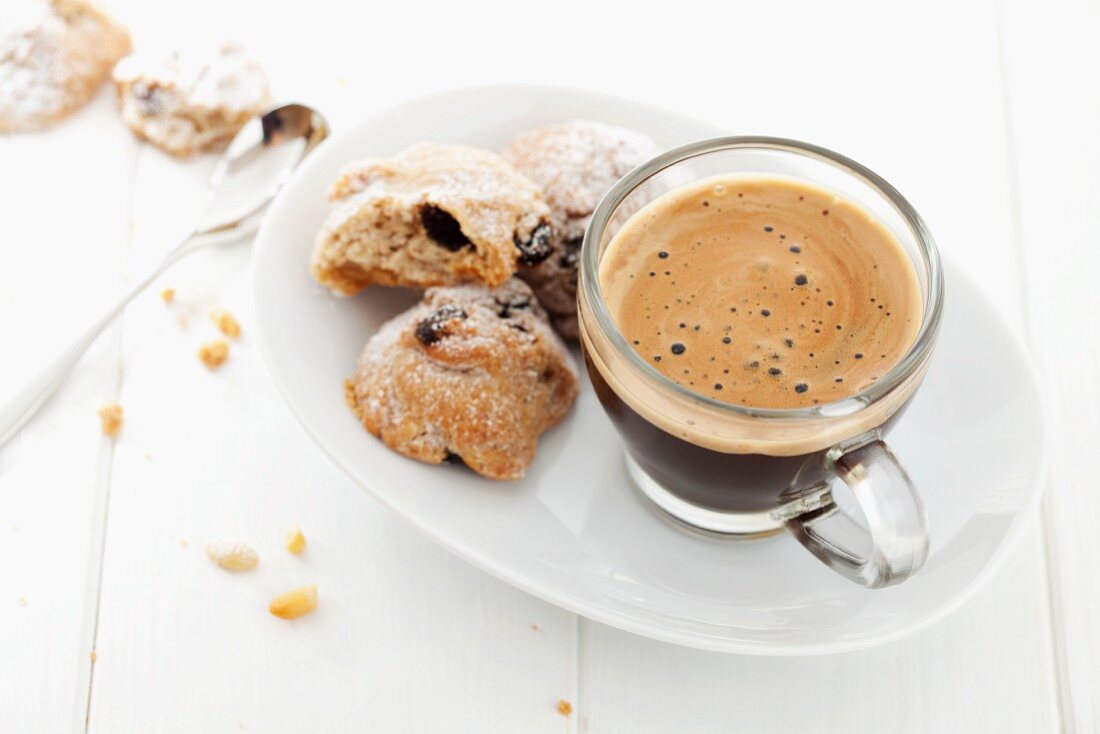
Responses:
[257,163]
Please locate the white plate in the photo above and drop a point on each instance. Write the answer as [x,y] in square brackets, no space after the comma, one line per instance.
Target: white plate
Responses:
[574,532]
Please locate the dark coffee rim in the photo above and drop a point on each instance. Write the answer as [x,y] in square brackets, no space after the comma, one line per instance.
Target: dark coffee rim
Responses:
[933,302]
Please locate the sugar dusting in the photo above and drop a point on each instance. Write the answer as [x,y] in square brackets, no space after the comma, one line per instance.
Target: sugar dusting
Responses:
[224,76]
[478,187]
[484,389]
[53,57]
[576,162]
[191,99]
[32,63]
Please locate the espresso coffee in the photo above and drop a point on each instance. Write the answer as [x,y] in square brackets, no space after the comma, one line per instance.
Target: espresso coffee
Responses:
[760,291]
[765,292]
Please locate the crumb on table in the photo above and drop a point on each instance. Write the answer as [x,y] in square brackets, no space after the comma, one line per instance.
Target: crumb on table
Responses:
[233,556]
[110,415]
[295,541]
[168,295]
[226,323]
[214,353]
[564,707]
[294,604]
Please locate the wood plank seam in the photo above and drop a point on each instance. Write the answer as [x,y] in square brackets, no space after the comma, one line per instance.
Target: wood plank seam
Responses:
[86,659]
[580,726]
[94,576]
[1064,696]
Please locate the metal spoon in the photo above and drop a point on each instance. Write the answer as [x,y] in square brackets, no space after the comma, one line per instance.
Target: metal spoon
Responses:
[254,167]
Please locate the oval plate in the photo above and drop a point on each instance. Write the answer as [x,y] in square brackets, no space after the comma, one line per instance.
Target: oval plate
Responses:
[573,532]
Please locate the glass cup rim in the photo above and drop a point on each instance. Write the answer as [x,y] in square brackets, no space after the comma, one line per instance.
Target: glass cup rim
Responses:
[918,353]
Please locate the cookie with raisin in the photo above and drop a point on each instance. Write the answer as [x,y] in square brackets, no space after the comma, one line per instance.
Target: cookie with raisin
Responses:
[431,215]
[192,100]
[471,374]
[575,162]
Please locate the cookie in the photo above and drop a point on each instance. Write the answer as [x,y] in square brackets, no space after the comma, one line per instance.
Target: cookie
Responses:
[471,373]
[430,215]
[54,56]
[192,101]
[575,162]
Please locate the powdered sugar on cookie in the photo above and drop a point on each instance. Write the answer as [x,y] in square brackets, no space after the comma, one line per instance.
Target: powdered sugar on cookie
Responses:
[576,162]
[431,215]
[191,100]
[54,56]
[471,373]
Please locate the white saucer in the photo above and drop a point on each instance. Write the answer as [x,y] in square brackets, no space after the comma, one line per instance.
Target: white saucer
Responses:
[574,532]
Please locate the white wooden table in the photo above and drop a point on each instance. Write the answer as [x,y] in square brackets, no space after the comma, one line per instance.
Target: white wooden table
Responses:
[986,115]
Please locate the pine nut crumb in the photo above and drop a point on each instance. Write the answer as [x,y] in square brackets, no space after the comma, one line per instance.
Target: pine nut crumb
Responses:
[564,707]
[226,323]
[294,604]
[213,354]
[233,556]
[110,416]
[295,541]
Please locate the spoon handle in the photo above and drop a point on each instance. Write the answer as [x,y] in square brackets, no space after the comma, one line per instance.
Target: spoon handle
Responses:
[25,403]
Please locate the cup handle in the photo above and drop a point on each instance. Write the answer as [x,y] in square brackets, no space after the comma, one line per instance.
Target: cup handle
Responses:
[894,545]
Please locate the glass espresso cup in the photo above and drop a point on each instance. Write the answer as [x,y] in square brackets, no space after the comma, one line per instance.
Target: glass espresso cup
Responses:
[748,472]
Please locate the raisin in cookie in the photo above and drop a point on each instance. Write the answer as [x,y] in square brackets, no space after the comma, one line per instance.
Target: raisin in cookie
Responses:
[191,101]
[470,373]
[575,162]
[430,215]
[54,56]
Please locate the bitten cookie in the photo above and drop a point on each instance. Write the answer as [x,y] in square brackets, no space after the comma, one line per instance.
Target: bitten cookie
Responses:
[54,56]
[430,215]
[191,101]
[575,162]
[470,373]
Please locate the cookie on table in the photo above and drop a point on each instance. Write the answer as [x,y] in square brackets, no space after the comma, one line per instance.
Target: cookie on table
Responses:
[430,215]
[191,101]
[470,373]
[54,56]
[575,162]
